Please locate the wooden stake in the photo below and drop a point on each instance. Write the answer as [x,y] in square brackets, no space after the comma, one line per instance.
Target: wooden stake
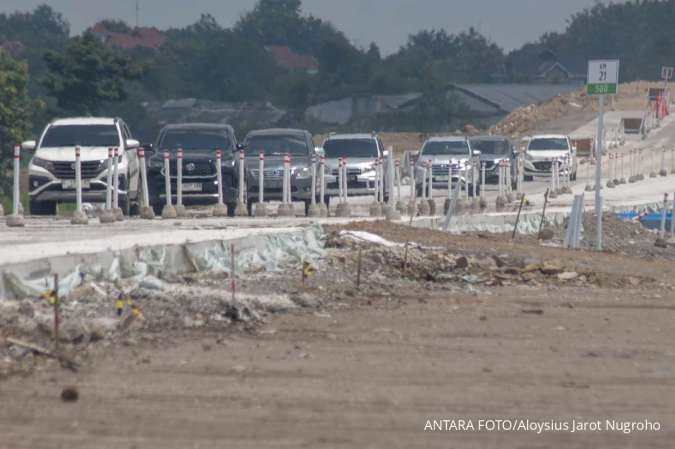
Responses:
[57,317]
[515,228]
[358,271]
[543,213]
[232,282]
[405,257]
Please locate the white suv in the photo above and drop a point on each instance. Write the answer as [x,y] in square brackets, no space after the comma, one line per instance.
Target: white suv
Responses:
[52,168]
[542,150]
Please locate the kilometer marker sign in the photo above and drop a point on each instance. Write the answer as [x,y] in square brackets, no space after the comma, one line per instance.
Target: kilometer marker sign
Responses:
[603,77]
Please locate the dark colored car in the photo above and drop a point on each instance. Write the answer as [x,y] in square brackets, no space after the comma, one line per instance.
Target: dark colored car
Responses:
[199,142]
[493,150]
[275,143]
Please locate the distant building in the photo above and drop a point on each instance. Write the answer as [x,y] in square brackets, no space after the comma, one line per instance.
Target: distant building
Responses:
[289,59]
[534,63]
[494,101]
[342,111]
[140,37]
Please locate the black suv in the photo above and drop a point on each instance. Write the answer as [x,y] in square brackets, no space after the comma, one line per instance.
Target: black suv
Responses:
[199,142]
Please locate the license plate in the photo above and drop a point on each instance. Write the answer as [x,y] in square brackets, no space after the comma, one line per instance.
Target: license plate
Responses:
[192,187]
[71,184]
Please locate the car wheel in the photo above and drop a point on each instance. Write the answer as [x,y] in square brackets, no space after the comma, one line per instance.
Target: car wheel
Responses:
[42,207]
[230,209]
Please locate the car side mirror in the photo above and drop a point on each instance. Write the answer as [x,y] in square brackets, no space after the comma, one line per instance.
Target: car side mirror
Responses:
[239,147]
[28,145]
[476,152]
[132,144]
[385,153]
[149,148]
[319,151]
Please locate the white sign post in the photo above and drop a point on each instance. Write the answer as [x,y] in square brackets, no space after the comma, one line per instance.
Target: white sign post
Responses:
[603,79]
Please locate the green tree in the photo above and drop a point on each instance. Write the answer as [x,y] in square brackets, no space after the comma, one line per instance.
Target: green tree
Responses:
[88,74]
[15,113]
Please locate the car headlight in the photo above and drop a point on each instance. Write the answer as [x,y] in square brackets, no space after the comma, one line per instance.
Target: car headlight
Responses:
[370,174]
[303,173]
[47,165]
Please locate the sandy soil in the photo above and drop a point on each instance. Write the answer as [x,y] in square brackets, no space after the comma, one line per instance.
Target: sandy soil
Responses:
[370,368]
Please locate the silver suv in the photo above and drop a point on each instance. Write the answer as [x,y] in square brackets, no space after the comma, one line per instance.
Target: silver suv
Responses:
[361,152]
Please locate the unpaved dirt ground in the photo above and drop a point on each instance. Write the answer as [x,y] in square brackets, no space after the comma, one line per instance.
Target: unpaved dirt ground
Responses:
[368,368]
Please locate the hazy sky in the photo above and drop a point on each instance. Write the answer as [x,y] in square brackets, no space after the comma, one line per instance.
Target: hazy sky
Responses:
[509,23]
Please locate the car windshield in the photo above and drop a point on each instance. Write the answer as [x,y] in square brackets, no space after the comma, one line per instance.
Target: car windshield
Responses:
[192,139]
[81,135]
[350,148]
[447,148]
[491,147]
[555,144]
[276,145]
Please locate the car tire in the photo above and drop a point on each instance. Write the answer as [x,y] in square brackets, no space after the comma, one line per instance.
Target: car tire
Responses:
[230,209]
[42,207]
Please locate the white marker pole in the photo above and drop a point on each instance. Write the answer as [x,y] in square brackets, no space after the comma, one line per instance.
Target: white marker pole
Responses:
[179,181]
[220,210]
[672,218]
[424,181]
[167,178]
[345,181]
[16,219]
[116,179]
[261,178]
[322,187]
[79,217]
[598,174]
[482,179]
[242,175]
[398,180]
[109,180]
[339,175]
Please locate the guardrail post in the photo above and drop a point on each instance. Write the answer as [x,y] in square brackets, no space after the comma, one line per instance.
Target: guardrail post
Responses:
[16,218]
[400,206]
[240,210]
[168,211]
[314,209]
[219,210]
[117,210]
[180,208]
[261,207]
[107,215]
[79,217]
[423,206]
[322,187]
[343,209]
[375,209]
[412,201]
[391,208]
[146,211]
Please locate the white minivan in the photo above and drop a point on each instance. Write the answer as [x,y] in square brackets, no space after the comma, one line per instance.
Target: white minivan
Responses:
[52,168]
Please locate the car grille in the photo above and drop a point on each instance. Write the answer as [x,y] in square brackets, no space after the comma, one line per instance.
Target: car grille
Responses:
[66,170]
[272,173]
[489,165]
[542,165]
[193,169]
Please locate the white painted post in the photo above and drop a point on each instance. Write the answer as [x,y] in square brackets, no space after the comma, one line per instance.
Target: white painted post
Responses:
[16,219]
[672,218]
[430,173]
[109,178]
[167,178]
[398,181]
[482,179]
[146,211]
[345,179]
[261,177]
[322,187]
[241,210]
[180,209]
[79,217]
[424,181]
[116,179]
[220,210]
[339,171]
